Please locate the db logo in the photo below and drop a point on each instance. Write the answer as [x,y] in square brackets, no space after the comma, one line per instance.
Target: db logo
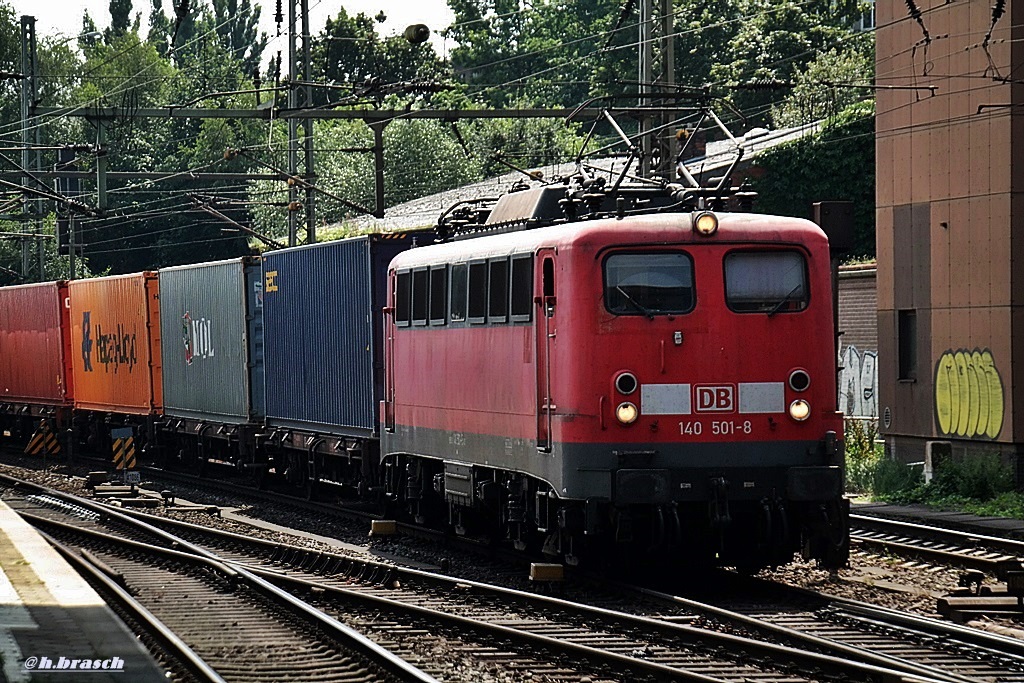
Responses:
[715,399]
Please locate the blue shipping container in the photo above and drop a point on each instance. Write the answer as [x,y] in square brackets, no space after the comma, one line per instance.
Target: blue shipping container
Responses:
[322,317]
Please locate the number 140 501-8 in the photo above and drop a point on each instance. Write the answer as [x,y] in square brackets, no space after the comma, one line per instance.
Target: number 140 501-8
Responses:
[717,427]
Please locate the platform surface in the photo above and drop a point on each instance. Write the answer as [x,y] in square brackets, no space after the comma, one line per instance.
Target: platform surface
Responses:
[53,625]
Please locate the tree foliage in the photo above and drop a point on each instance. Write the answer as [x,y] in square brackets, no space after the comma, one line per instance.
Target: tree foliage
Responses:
[504,53]
[836,164]
[831,82]
[555,53]
[358,65]
[421,157]
[773,42]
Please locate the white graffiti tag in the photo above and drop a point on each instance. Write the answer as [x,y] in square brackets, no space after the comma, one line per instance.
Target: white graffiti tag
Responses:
[858,383]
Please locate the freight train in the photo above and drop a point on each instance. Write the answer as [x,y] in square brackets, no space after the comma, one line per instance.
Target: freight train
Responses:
[577,369]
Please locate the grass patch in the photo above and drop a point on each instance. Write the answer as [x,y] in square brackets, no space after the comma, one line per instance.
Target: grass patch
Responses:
[980,484]
[862,455]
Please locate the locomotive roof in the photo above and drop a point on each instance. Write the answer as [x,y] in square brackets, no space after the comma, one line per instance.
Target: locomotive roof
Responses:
[653,229]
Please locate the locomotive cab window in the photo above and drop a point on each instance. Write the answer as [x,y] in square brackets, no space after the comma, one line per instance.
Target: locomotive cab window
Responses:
[766,282]
[419,297]
[651,283]
[460,276]
[478,292]
[403,284]
[522,288]
[497,307]
[438,294]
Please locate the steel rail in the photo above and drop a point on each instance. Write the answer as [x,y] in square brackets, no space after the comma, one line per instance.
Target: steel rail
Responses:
[1010,546]
[174,645]
[360,643]
[838,657]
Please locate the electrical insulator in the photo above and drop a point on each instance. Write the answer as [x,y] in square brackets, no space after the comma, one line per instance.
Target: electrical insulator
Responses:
[417,33]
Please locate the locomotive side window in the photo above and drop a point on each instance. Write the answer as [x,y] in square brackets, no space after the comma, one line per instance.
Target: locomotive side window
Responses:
[402,292]
[438,294]
[458,290]
[522,288]
[650,283]
[497,306]
[419,297]
[478,292]
[766,282]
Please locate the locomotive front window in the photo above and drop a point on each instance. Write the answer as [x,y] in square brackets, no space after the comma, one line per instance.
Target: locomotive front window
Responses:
[648,284]
[766,282]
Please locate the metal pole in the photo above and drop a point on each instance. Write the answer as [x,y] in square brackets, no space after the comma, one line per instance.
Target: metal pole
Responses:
[666,140]
[71,245]
[646,75]
[378,167]
[28,133]
[307,127]
[293,128]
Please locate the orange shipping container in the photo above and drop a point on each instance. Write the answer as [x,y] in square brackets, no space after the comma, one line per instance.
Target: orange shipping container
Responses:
[115,343]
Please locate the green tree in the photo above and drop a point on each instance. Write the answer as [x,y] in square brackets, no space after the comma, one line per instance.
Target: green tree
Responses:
[120,18]
[836,164]
[358,65]
[237,24]
[421,157]
[833,81]
[774,42]
[547,54]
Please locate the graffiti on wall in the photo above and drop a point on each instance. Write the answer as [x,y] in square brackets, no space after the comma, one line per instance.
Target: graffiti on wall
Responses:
[968,394]
[858,396]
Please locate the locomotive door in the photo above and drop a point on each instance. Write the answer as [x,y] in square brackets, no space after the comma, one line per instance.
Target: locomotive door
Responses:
[388,417]
[544,333]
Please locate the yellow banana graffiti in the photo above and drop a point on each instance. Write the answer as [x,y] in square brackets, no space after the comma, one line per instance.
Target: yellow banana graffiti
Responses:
[968,394]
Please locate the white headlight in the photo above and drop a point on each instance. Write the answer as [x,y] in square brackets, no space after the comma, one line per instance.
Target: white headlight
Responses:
[799,410]
[627,413]
[705,223]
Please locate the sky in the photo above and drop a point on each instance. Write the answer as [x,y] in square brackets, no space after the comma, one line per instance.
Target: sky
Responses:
[64,17]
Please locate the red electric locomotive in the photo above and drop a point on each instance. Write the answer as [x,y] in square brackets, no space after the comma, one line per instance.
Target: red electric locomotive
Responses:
[649,381]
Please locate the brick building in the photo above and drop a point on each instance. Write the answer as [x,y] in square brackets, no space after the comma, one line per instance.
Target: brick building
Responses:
[858,343]
[950,286]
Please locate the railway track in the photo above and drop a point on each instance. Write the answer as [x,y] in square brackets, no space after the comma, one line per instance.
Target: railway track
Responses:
[796,619]
[226,624]
[399,606]
[842,629]
[948,546]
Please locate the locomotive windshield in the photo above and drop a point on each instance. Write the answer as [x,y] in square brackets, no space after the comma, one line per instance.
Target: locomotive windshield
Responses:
[765,282]
[648,283]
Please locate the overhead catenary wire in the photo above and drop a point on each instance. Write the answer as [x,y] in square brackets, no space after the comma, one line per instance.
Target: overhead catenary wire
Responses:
[140,183]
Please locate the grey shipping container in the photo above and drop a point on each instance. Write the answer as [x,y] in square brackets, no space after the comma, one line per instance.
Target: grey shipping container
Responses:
[323,323]
[212,323]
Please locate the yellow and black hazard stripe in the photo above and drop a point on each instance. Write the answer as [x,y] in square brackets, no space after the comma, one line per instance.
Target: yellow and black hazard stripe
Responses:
[44,441]
[124,453]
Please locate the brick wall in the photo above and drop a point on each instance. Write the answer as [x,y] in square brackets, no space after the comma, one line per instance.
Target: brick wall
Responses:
[858,346]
